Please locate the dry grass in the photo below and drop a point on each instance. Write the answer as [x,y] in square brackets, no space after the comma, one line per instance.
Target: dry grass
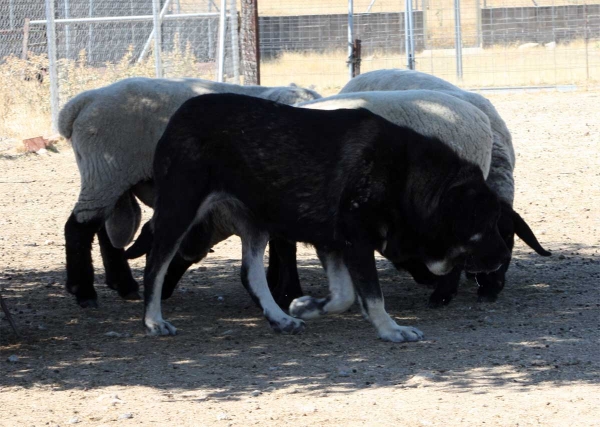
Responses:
[25,102]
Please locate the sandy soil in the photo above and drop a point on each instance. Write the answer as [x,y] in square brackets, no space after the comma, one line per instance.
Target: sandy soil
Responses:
[531,358]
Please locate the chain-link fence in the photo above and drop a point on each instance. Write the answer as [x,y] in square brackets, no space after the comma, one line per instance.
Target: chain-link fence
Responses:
[500,43]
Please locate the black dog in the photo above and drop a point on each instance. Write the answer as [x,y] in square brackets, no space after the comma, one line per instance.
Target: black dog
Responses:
[346,181]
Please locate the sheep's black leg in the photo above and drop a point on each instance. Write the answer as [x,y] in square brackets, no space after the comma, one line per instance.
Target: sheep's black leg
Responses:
[118,273]
[282,274]
[446,288]
[194,248]
[80,270]
[491,284]
[419,272]
[177,269]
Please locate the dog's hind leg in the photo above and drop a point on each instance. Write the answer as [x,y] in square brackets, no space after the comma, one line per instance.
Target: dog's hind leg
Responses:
[282,274]
[255,282]
[341,295]
[175,214]
[361,265]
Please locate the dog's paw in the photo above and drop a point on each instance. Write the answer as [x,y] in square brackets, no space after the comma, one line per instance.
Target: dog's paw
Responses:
[307,307]
[288,326]
[402,334]
[160,327]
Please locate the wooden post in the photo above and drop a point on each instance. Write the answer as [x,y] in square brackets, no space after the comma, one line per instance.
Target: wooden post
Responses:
[25,39]
[356,55]
[250,42]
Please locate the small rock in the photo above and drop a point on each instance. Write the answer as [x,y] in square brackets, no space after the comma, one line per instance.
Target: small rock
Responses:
[421,379]
[488,320]
[273,368]
[13,358]
[42,327]
[228,332]
[48,242]
[220,298]
[561,257]
[222,416]
[344,372]
[74,420]
[126,416]
[256,393]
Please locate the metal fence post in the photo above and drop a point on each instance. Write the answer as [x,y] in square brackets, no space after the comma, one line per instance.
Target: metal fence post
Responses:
[67,31]
[458,40]
[52,63]
[351,38]
[409,35]
[163,12]
[222,21]
[157,38]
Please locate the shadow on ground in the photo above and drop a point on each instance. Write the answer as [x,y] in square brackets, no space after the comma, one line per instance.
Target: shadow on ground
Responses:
[543,329]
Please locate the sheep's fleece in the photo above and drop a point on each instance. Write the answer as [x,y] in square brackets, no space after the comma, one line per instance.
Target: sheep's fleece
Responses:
[114,131]
[500,178]
[463,127]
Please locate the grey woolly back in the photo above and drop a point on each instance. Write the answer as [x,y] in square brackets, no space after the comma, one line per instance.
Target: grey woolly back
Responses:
[459,124]
[503,158]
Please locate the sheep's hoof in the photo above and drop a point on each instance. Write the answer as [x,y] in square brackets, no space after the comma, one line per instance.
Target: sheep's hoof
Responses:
[132,296]
[87,303]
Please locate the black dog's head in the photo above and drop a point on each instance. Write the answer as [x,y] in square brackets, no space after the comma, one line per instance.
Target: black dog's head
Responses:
[449,219]
[509,224]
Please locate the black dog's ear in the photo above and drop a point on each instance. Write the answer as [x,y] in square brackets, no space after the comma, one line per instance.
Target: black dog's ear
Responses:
[524,232]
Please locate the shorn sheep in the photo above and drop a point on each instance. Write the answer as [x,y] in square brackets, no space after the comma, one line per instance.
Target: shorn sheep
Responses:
[500,178]
[114,131]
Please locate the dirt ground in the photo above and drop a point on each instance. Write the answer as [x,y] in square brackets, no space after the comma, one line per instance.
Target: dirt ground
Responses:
[531,358]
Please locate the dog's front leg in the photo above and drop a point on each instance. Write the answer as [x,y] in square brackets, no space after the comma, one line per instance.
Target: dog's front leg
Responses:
[255,281]
[341,292]
[360,260]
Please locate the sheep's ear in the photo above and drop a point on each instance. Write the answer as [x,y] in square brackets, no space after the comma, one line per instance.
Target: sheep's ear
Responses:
[524,232]
[124,221]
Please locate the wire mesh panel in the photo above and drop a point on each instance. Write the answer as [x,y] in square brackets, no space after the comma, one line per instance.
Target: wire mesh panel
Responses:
[513,42]
[307,41]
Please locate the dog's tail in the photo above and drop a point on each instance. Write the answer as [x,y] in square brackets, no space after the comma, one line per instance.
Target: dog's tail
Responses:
[69,113]
[143,243]
[526,234]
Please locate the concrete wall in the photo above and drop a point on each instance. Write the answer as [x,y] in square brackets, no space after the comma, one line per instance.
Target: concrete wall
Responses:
[544,24]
